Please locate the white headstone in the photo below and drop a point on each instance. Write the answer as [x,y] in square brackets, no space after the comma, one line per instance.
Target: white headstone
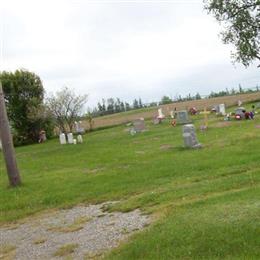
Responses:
[70,138]
[160,114]
[80,139]
[222,109]
[74,141]
[62,139]
[172,114]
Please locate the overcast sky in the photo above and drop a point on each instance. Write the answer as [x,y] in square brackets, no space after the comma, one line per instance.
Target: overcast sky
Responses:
[122,49]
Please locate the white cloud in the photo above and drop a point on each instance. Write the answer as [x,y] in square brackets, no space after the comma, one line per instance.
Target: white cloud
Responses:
[119,48]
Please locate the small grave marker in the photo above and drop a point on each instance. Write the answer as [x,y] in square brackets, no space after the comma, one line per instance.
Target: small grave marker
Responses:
[62,139]
[222,109]
[182,117]
[139,125]
[189,136]
[70,138]
[80,139]
[160,114]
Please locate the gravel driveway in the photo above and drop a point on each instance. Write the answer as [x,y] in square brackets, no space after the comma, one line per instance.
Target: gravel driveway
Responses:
[80,232]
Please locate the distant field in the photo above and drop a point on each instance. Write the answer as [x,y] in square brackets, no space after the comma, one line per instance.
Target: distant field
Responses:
[147,113]
[205,203]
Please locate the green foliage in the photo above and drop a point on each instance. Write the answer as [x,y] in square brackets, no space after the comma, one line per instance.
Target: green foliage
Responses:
[166,100]
[242,29]
[24,100]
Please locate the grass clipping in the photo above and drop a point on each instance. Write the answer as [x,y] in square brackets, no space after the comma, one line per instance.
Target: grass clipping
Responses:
[66,250]
[7,252]
[78,224]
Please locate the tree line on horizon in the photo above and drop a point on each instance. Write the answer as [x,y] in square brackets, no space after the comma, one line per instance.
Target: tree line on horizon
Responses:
[115,105]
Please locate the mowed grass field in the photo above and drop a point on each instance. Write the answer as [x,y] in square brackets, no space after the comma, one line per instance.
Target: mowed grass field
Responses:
[204,203]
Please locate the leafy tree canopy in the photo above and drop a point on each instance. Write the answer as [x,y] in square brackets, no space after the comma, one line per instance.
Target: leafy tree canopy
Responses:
[241,19]
[24,95]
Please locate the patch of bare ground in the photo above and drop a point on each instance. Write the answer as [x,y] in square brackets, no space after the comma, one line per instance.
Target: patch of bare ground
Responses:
[74,233]
[166,147]
[223,124]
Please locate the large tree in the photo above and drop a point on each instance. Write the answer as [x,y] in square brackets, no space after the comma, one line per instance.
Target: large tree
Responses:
[242,26]
[24,95]
[66,106]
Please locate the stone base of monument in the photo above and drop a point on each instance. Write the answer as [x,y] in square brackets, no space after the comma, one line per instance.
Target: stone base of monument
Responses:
[189,136]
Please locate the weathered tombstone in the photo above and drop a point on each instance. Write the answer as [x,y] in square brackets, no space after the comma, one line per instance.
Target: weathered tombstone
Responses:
[70,138]
[80,139]
[239,103]
[222,109]
[189,136]
[62,139]
[139,125]
[182,117]
[74,141]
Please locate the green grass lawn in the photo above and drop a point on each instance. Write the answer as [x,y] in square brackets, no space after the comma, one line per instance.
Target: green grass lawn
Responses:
[205,203]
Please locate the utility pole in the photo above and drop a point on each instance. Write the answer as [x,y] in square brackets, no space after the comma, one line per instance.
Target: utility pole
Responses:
[7,144]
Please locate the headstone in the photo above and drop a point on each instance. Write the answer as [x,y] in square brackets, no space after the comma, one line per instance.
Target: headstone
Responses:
[189,136]
[80,139]
[1,147]
[182,117]
[62,139]
[74,141]
[240,113]
[222,109]
[239,103]
[78,128]
[139,125]
[172,114]
[70,138]
[160,114]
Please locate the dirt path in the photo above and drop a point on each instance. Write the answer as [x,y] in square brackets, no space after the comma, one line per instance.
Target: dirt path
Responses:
[80,232]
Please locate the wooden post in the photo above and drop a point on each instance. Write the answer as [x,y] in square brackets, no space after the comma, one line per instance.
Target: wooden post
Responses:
[7,144]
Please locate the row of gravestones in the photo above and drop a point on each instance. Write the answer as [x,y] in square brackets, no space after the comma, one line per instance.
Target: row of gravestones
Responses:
[188,131]
[70,139]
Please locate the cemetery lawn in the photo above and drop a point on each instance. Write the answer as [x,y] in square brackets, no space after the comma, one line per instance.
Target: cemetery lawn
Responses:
[204,203]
